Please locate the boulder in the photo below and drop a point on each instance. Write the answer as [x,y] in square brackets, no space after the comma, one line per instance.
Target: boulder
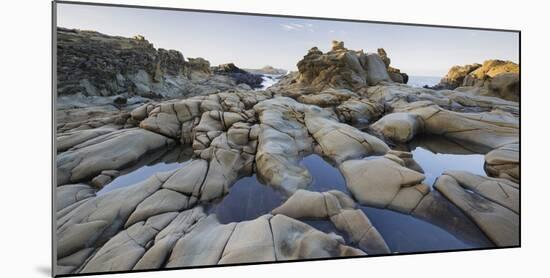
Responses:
[341,142]
[376,69]
[382,182]
[359,111]
[399,127]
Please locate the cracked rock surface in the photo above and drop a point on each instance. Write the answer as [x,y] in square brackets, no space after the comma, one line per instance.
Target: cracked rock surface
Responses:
[349,107]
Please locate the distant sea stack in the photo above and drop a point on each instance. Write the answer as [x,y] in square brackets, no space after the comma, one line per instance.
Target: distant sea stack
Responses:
[268,70]
[492,78]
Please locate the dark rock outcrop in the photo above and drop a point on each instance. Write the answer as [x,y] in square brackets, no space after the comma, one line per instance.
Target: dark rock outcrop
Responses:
[239,75]
[100,65]
[93,67]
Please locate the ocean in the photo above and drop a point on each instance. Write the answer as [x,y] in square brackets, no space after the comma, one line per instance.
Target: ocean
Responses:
[415,81]
[420,81]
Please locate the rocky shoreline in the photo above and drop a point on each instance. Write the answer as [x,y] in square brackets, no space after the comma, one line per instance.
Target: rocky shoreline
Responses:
[494,78]
[349,107]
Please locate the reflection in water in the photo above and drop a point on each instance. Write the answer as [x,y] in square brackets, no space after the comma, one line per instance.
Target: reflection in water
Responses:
[160,161]
[247,199]
[436,155]
[325,176]
[405,234]
[434,164]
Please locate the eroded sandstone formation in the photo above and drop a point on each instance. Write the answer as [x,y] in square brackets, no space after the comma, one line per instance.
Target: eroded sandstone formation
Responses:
[342,105]
[492,78]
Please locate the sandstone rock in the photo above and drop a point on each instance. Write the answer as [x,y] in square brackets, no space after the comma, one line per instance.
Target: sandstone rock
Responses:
[111,151]
[203,245]
[156,256]
[376,69]
[379,181]
[295,240]
[362,233]
[251,241]
[309,204]
[498,222]
[338,208]
[500,191]
[506,86]
[455,77]
[405,159]
[322,100]
[484,129]
[124,250]
[384,56]
[188,179]
[99,218]
[494,78]
[162,201]
[358,111]
[339,141]
[282,141]
[504,162]
[68,140]
[339,68]
[71,193]
[492,68]
[399,127]
[163,123]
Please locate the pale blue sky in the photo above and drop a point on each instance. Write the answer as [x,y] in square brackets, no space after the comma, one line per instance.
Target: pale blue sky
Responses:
[256,41]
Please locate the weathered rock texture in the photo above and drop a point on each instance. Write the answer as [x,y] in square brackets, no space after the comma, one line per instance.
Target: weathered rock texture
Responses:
[339,68]
[340,210]
[93,68]
[349,107]
[494,78]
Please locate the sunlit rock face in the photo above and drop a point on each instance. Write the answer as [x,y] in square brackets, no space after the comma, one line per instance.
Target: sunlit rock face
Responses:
[495,78]
[349,108]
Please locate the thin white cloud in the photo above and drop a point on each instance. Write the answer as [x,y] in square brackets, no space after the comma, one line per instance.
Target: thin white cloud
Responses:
[297,27]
